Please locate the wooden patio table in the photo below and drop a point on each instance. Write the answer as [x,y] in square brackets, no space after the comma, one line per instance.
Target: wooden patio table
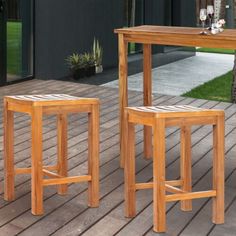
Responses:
[162,35]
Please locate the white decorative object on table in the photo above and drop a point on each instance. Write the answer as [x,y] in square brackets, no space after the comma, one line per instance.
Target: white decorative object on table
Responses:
[218,26]
[214,30]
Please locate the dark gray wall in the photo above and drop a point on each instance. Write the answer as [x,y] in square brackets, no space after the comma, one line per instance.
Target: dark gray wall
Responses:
[186,13]
[66,26]
[157,12]
[155,15]
[230,12]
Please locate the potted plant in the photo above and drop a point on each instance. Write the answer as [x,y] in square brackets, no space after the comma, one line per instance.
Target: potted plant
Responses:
[76,63]
[89,62]
[97,54]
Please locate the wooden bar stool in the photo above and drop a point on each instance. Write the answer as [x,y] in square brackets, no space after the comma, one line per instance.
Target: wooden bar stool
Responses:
[36,106]
[159,118]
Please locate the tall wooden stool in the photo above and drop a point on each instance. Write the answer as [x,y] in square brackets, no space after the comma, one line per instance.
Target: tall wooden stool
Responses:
[159,118]
[36,106]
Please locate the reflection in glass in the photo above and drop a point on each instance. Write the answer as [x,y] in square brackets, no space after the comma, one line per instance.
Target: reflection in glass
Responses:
[19,39]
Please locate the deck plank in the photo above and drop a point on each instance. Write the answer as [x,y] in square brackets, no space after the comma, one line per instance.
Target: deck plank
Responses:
[69,215]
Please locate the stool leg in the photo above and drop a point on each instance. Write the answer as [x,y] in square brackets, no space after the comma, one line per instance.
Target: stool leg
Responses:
[186,165]
[159,203]
[218,171]
[37,175]
[147,96]
[93,157]
[9,174]
[123,155]
[129,171]
[147,142]
[62,150]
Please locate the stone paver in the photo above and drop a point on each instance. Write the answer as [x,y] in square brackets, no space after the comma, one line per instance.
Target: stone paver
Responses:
[179,77]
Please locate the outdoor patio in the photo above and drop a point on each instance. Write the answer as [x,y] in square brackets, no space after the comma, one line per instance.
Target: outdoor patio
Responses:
[69,215]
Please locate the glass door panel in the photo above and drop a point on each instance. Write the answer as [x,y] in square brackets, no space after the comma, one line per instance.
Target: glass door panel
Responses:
[19,39]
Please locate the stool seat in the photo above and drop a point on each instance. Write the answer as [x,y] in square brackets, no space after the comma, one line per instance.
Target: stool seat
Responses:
[160,117]
[50,104]
[50,99]
[173,115]
[176,111]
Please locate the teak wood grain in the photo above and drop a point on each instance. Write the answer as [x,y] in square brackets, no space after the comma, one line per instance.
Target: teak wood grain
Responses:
[178,36]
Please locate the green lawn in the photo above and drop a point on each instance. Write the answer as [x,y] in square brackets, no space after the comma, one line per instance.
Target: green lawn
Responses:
[218,89]
[215,50]
[14,48]
[132,47]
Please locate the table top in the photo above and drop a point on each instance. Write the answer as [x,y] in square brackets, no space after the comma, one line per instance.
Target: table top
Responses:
[179,36]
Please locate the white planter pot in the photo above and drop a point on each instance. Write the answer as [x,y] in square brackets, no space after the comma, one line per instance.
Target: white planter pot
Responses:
[99,69]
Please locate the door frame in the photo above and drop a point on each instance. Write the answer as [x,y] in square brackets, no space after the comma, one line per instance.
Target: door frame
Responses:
[3,43]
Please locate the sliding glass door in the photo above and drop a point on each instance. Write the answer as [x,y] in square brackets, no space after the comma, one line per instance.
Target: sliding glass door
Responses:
[16,40]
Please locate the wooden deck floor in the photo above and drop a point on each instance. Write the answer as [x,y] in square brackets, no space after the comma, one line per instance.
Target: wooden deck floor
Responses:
[69,215]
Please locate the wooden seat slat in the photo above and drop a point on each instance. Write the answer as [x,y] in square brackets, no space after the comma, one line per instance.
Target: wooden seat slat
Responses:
[172,111]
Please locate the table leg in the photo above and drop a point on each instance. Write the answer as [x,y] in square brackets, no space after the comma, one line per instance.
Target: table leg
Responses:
[123,96]
[147,96]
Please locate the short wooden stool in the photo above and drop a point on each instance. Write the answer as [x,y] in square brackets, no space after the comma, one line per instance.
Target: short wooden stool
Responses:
[36,106]
[159,118]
